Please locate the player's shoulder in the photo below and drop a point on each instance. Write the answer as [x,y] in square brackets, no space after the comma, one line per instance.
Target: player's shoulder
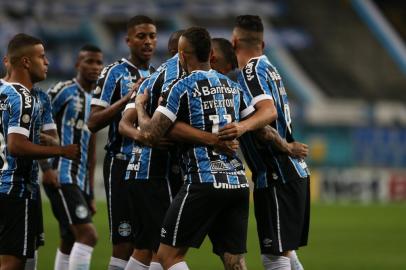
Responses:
[61,86]
[115,67]
[172,62]
[40,93]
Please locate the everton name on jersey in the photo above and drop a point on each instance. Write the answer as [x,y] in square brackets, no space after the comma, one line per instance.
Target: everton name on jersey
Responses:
[208,101]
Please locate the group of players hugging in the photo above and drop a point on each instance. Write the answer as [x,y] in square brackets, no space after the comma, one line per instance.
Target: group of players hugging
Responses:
[171,171]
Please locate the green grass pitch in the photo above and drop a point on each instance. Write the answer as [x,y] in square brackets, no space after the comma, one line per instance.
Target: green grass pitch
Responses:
[349,236]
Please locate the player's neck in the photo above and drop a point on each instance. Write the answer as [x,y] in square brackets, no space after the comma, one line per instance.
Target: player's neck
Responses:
[139,63]
[199,66]
[86,85]
[21,78]
[244,56]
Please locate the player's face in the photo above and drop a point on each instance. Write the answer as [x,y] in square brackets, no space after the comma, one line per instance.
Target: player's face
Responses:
[90,65]
[218,61]
[141,40]
[38,63]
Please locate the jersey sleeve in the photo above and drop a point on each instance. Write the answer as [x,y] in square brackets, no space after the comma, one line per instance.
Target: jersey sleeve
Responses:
[253,80]
[171,100]
[106,84]
[21,108]
[47,119]
[245,108]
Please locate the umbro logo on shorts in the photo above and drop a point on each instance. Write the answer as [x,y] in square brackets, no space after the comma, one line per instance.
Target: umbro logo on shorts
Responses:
[267,242]
[163,232]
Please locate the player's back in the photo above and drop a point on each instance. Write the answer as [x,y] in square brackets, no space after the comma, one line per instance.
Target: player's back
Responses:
[260,78]
[208,101]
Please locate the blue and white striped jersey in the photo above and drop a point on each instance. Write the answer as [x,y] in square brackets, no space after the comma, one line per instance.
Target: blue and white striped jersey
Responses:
[260,80]
[206,100]
[71,110]
[27,113]
[115,81]
[146,162]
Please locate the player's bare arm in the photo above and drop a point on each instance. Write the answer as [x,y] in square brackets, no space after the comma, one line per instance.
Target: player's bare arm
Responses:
[293,149]
[182,132]
[233,261]
[265,113]
[127,125]
[49,137]
[19,146]
[152,129]
[92,168]
[49,176]
[100,117]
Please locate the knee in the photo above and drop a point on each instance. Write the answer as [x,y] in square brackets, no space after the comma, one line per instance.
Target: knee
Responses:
[87,235]
[271,259]
[168,256]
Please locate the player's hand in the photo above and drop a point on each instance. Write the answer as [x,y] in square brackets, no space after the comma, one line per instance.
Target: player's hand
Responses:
[298,150]
[133,91]
[142,99]
[46,140]
[231,131]
[92,207]
[50,178]
[71,151]
[227,147]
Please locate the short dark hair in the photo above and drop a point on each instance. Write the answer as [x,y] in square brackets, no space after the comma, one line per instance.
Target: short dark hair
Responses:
[252,23]
[228,51]
[174,39]
[139,19]
[18,43]
[90,48]
[200,40]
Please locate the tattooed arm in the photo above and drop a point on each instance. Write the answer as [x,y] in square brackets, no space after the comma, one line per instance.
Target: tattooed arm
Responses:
[152,129]
[293,149]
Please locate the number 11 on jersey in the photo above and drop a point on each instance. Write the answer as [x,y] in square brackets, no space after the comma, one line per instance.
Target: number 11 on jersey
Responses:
[215,118]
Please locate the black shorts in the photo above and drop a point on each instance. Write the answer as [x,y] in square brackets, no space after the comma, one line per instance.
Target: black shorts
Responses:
[282,211]
[117,200]
[40,224]
[201,209]
[18,226]
[149,201]
[70,207]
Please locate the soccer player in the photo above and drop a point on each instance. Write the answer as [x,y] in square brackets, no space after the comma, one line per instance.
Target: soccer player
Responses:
[150,170]
[214,198]
[223,58]
[72,201]
[48,134]
[281,193]
[113,91]
[173,42]
[21,123]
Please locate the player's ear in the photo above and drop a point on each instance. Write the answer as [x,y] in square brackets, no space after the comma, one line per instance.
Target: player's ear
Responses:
[234,42]
[262,44]
[25,62]
[212,58]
